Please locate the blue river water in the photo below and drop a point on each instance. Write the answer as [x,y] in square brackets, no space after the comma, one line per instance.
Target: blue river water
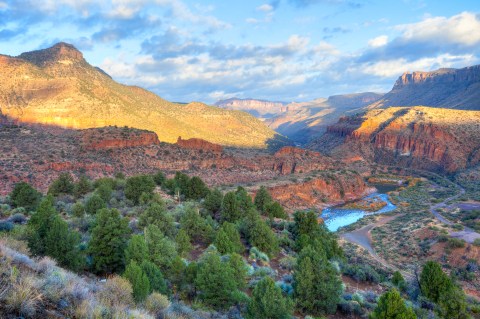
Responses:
[336,217]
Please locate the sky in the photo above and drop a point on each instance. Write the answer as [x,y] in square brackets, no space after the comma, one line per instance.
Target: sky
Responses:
[280,50]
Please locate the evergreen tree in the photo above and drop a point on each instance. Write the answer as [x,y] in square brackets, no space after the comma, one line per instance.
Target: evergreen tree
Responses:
[161,250]
[215,282]
[176,274]
[62,185]
[155,277]
[244,201]
[182,241]
[392,306]
[317,287]
[108,241]
[105,192]
[159,178]
[137,185]
[39,225]
[452,304]
[434,282]
[213,202]
[82,187]
[139,281]
[259,234]
[262,199]
[78,210]
[136,250]
[196,227]
[196,188]
[268,302]
[398,280]
[228,240]
[230,210]
[24,195]
[94,204]
[63,244]
[275,210]
[239,268]
[157,214]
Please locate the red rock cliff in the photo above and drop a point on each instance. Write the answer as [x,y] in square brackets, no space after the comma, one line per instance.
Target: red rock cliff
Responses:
[199,144]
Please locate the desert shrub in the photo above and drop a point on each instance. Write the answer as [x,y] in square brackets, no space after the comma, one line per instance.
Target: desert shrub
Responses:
[116,293]
[62,185]
[18,218]
[455,243]
[94,203]
[256,254]
[6,226]
[476,242]
[24,298]
[288,262]
[137,185]
[156,303]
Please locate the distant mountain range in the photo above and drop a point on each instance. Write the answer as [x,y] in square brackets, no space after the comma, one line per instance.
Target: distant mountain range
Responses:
[57,86]
[447,88]
[305,120]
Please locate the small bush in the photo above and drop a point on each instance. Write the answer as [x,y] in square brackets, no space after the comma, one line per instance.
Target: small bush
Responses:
[18,218]
[6,226]
[23,298]
[455,243]
[156,303]
[476,242]
[116,293]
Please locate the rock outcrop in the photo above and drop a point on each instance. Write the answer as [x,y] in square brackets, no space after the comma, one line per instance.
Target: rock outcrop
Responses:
[418,137]
[446,88]
[199,144]
[111,138]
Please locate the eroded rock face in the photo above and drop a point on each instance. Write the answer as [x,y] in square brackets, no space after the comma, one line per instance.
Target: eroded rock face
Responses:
[199,144]
[420,137]
[112,139]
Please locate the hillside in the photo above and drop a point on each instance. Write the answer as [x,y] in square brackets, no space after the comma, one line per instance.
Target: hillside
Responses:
[57,86]
[447,88]
[418,137]
[303,121]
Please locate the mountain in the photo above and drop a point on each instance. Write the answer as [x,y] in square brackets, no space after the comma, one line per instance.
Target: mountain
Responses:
[436,139]
[57,86]
[303,121]
[448,88]
[258,108]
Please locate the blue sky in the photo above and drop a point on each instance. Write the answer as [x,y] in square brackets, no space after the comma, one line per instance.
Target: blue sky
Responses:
[285,50]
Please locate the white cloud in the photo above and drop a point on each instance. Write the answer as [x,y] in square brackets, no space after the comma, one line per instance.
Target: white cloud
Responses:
[378,41]
[462,29]
[265,7]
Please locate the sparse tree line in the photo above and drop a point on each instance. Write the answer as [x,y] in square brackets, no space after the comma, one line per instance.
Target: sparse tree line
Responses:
[196,249]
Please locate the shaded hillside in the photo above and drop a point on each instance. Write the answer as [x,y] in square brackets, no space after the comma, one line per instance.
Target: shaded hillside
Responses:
[447,88]
[418,137]
[303,121]
[57,86]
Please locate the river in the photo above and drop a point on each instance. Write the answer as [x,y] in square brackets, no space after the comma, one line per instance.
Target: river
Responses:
[336,217]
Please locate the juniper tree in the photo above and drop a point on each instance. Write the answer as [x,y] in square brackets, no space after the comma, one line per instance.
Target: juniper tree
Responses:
[24,195]
[268,302]
[139,281]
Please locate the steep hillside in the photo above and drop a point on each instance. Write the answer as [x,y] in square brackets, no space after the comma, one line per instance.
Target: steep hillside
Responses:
[303,121]
[258,108]
[420,137]
[447,88]
[57,86]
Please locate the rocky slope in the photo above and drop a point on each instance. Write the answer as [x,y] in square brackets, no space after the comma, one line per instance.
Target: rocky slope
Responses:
[37,154]
[57,86]
[419,137]
[446,88]
[258,108]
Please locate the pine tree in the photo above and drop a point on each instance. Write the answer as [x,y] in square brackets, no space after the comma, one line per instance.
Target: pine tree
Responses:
[262,199]
[82,187]
[230,210]
[108,241]
[157,214]
[39,225]
[434,282]
[392,306]
[155,277]
[138,185]
[94,204]
[215,282]
[213,202]
[197,227]
[24,195]
[275,210]
[161,249]
[244,201]
[136,250]
[239,268]
[259,234]
[139,281]
[317,287]
[63,244]
[268,302]
[228,240]
[182,241]
[453,304]
[62,185]
[196,188]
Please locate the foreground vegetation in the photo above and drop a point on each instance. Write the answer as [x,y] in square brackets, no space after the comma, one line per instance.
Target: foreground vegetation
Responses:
[149,246]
